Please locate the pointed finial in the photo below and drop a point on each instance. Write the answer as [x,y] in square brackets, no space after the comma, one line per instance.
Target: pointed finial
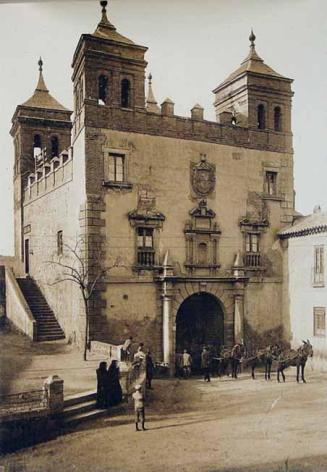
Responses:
[252,38]
[104,18]
[150,78]
[40,63]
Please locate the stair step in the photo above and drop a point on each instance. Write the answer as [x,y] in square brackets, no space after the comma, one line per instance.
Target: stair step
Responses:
[80,398]
[81,417]
[50,338]
[78,408]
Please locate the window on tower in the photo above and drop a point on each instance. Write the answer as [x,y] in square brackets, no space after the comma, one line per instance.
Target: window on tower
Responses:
[277,119]
[252,254]
[37,145]
[261,115]
[145,247]
[54,146]
[271,183]
[125,93]
[103,90]
[116,167]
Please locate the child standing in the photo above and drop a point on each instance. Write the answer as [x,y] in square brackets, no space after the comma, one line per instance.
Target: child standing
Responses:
[138,398]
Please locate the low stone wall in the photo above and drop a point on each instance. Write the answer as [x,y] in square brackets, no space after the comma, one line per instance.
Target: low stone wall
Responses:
[105,350]
[17,310]
[21,427]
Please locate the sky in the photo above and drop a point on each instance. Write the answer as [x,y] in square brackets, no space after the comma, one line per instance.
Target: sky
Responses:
[193,46]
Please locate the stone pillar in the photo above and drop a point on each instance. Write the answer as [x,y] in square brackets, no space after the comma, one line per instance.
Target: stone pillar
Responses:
[165,329]
[54,393]
[238,318]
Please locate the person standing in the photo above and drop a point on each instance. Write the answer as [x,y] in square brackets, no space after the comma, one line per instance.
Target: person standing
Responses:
[236,355]
[139,407]
[140,355]
[205,364]
[126,349]
[149,369]
[186,363]
[115,394]
[102,385]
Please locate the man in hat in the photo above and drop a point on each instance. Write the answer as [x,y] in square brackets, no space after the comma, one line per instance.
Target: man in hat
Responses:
[138,398]
[205,364]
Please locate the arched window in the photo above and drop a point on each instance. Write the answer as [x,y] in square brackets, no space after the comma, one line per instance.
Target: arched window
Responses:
[125,93]
[37,145]
[203,254]
[277,119]
[54,146]
[102,89]
[261,117]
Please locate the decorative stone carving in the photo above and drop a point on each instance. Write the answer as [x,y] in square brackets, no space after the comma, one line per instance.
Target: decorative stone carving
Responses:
[203,177]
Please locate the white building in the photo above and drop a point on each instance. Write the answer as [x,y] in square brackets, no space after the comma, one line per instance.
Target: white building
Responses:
[305,245]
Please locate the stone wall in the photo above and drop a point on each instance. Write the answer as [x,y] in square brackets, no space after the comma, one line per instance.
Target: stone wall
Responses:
[158,169]
[48,208]
[304,295]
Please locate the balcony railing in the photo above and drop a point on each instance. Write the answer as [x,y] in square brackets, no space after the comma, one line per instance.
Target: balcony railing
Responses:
[145,258]
[253,259]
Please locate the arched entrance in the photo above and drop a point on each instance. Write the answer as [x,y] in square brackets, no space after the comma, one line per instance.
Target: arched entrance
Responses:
[199,322]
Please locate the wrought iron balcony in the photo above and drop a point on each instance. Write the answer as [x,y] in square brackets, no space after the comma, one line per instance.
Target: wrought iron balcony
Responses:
[253,260]
[145,257]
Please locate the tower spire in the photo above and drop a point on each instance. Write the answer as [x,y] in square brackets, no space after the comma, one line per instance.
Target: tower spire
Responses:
[105,23]
[151,103]
[41,84]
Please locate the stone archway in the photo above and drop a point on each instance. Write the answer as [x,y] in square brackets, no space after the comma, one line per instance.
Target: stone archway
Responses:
[199,322]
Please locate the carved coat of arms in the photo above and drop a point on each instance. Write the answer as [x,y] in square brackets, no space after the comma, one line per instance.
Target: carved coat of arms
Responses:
[203,177]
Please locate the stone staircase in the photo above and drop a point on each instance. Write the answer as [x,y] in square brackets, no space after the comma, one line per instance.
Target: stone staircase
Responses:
[83,407]
[48,328]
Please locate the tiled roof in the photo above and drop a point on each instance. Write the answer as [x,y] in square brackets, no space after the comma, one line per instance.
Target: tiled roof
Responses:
[304,225]
[252,63]
[107,30]
[41,98]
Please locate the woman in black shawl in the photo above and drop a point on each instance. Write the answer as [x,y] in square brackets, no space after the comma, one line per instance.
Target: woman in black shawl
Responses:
[115,394]
[102,385]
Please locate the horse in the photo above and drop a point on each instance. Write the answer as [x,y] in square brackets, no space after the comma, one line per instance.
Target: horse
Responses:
[297,358]
[265,356]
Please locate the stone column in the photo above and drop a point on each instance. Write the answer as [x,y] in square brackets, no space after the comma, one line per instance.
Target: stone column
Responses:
[166,328]
[238,318]
[54,393]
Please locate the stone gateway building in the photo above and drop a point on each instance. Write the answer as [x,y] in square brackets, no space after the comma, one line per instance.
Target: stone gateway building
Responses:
[189,208]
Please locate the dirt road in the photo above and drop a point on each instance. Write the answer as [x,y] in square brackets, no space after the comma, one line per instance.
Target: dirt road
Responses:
[226,425]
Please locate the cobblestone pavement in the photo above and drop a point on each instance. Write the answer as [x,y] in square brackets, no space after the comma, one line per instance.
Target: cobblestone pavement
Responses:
[228,425]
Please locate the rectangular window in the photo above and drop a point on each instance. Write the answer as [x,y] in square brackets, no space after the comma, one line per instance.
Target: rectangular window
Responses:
[116,171]
[271,183]
[145,247]
[252,256]
[319,321]
[318,268]
[252,242]
[60,243]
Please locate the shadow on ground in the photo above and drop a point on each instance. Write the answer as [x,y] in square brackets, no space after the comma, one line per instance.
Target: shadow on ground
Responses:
[16,355]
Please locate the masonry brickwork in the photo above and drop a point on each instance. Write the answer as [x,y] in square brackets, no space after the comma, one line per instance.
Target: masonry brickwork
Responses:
[167,207]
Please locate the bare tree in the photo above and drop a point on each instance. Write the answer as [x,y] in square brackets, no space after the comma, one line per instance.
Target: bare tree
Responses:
[76,269]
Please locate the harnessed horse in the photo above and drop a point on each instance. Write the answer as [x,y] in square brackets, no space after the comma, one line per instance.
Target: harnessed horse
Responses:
[296,358]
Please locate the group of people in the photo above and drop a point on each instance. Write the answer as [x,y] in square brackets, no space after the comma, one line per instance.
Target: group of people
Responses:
[109,392]
[208,359]
[138,358]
